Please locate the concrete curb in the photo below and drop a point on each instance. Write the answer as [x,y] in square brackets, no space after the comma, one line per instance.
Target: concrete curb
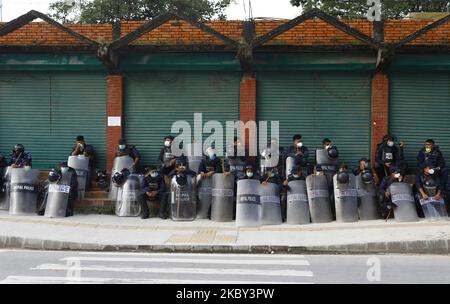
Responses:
[401,247]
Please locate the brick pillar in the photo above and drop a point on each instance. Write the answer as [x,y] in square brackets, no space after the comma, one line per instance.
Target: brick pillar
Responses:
[247,102]
[114,110]
[380,109]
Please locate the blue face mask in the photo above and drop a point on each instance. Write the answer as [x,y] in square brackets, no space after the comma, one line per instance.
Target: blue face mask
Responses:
[64,169]
[212,157]
[122,147]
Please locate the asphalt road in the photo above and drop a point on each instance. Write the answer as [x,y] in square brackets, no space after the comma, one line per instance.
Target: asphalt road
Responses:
[17,266]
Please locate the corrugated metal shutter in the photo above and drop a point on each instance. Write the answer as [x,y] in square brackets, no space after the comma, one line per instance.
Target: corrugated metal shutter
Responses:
[154,101]
[45,112]
[420,109]
[319,105]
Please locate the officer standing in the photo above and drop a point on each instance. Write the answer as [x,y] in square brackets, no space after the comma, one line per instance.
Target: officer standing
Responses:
[154,191]
[432,155]
[299,152]
[131,151]
[19,158]
[167,159]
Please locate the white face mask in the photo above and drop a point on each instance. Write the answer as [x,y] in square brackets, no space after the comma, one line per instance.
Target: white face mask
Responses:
[167,143]
[327,147]
[250,174]
[296,175]
[398,175]
[318,173]
[431,171]
[390,144]
[27,168]
[299,145]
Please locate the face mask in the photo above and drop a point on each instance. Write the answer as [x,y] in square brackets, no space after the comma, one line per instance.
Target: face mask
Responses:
[27,168]
[250,174]
[318,173]
[154,174]
[212,156]
[428,149]
[64,169]
[296,176]
[431,171]
[390,144]
[397,175]
[167,143]
[122,147]
[327,147]
[299,145]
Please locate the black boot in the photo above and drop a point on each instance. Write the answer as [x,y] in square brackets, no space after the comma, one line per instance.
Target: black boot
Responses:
[145,213]
[163,212]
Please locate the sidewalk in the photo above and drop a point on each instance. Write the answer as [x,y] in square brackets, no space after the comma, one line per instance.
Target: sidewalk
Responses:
[110,233]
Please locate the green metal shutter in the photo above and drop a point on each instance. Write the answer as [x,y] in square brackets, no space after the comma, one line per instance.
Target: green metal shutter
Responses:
[45,112]
[319,105]
[154,101]
[420,109]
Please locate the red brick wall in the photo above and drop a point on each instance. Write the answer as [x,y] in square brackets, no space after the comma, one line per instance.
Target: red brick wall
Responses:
[114,108]
[311,32]
[380,109]
[248,104]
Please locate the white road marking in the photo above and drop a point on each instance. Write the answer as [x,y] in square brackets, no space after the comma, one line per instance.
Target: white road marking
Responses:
[225,255]
[64,280]
[194,271]
[193,261]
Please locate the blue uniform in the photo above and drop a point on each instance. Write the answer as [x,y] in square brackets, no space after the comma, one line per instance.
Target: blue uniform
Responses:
[300,160]
[209,165]
[21,160]
[437,161]
[87,151]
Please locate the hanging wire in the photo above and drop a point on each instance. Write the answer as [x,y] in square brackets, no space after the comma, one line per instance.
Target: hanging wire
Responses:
[245,9]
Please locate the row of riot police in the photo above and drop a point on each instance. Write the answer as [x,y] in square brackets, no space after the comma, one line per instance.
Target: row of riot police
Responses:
[23,194]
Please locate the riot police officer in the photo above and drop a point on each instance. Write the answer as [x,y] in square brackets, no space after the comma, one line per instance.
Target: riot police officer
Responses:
[211,164]
[236,159]
[249,172]
[385,197]
[299,152]
[128,150]
[19,158]
[272,157]
[53,177]
[432,154]
[154,190]
[82,148]
[388,155]
[364,166]
[428,178]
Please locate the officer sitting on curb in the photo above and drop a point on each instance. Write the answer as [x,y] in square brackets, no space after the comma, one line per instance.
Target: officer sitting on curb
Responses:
[154,191]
